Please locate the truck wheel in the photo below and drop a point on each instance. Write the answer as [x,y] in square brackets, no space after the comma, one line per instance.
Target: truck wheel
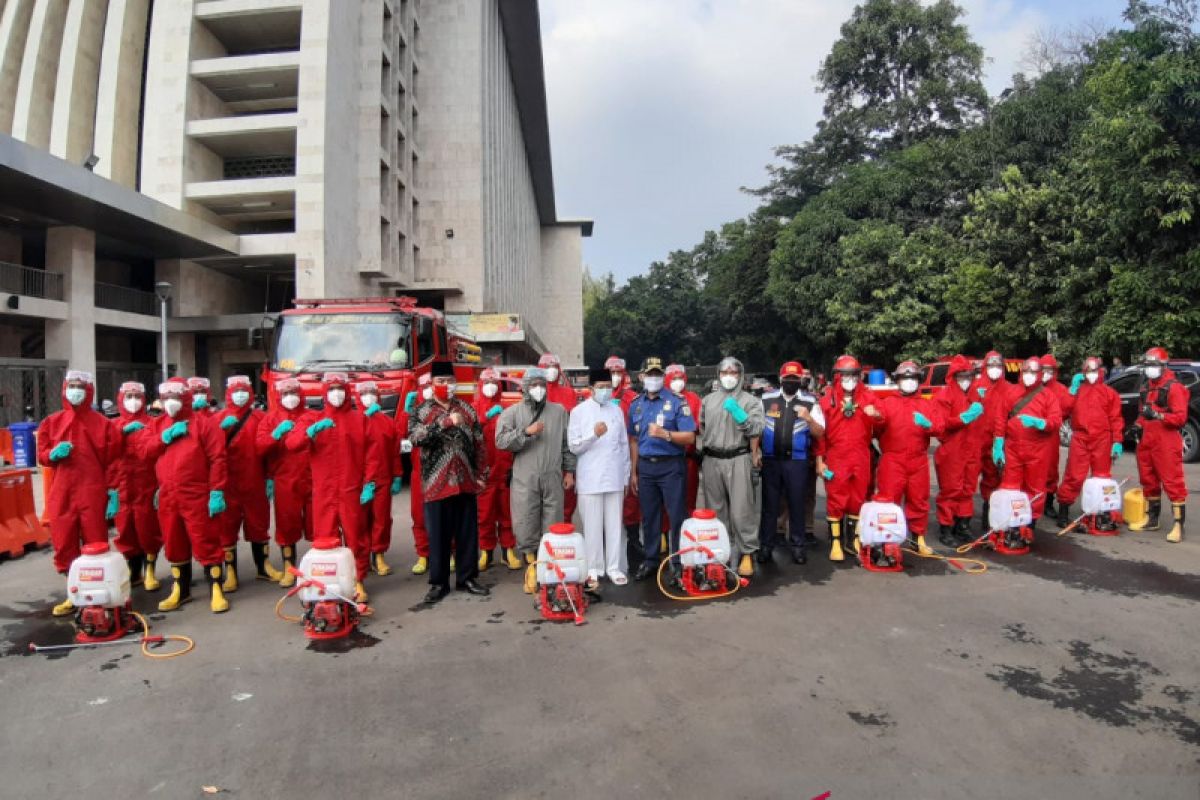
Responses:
[1191,441]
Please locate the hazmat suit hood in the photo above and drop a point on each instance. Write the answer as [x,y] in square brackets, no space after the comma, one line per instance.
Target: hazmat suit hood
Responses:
[232,407]
[958,363]
[526,379]
[481,402]
[185,397]
[125,416]
[89,396]
[730,361]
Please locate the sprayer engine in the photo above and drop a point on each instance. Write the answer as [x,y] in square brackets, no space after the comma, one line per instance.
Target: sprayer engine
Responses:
[881,557]
[102,623]
[329,619]
[702,580]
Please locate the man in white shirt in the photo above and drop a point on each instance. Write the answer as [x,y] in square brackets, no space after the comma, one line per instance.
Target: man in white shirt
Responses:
[596,435]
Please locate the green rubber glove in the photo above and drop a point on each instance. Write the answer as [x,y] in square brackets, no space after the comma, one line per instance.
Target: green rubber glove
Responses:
[156,499]
[216,502]
[372,410]
[973,412]
[270,488]
[998,451]
[397,484]
[410,402]
[1032,422]
[615,401]
[114,505]
[368,493]
[60,451]
[199,403]
[1117,451]
[228,423]
[318,426]
[175,431]
[982,392]
[494,411]
[922,421]
[1076,381]
[132,427]
[737,412]
[282,429]
[827,474]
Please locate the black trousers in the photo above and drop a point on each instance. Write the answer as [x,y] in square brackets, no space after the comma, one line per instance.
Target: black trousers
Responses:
[454,519]
[784,481]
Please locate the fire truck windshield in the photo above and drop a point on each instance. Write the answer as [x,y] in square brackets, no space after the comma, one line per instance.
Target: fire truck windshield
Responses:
[322,342]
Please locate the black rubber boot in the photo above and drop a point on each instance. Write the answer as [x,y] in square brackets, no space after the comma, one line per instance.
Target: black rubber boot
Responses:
[1105,522]
[946,536]
[984,522]
[1152,516]
[962,530]
[137,569]
[1064,515]
[1049,503]
[633,547]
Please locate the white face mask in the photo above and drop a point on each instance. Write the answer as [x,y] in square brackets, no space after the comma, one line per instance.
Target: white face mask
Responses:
[678,385]
[240,398]
[617,378]
[1029,378]
[729,382]
[602,396]
[336,397]
[551,374]
[908,385]
[849,384]
[76,396]
[132,404]
[490,389]
[1047,377]
[1153,373]
[369,400]
[653,383]
[537,393]
[1092,377]
[290,401]
[994,373]
[427,392]
[172,406]
[964,383]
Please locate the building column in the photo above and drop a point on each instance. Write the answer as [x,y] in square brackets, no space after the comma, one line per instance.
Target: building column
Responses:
[72,251]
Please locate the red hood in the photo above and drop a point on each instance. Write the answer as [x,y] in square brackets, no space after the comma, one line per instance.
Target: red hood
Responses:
[958,364]
[88,398]
[233,407]
[125,415]
[184,413]
[329,411]
[1167,375]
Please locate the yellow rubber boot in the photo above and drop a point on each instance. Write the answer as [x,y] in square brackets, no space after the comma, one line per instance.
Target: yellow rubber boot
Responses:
[662,544]
[379,565]
[852,530]
[746,566]
[923,548]
[288,580]
[421,567]
[530,573]
[63,609]
[1180,514]
[510,558]
[360,592]
[181,587]
[150,583]
[453,563]
[262,563]
[835,535]
[216,595]
[1150,521]
[485,560]
[231,582]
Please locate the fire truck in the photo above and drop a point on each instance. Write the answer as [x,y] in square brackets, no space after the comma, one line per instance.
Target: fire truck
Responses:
[390,340]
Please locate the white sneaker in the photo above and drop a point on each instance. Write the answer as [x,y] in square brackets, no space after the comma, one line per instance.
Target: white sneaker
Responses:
[618,578]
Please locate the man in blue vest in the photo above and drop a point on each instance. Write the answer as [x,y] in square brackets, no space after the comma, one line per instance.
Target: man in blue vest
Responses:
[793,421]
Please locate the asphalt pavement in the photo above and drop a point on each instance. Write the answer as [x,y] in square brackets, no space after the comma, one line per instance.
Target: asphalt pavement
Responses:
[1072,672]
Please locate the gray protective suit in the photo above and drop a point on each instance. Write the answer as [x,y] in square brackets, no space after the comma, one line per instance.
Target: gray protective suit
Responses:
[536,497]
[729,486]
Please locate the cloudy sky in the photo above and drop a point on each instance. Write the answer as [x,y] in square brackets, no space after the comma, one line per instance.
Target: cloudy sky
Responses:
[661,109]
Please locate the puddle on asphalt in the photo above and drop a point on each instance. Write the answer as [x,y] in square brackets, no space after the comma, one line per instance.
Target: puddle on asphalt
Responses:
[19,628]
[357,640]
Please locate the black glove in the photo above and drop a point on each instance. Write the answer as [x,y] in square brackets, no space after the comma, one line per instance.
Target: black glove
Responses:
[1149,412]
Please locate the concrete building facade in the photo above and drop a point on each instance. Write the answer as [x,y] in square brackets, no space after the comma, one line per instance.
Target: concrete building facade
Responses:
[252,151]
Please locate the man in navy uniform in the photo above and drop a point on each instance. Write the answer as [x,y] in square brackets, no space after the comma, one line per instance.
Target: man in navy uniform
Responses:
[794,420]
[660,426]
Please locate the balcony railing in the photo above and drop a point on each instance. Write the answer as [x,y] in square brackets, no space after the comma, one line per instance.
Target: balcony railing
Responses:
[30,282]
[123,298]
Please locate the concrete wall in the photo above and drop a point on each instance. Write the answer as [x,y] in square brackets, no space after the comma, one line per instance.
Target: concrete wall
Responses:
[32,113]
[166,114]
[119,90]
[14,29]
[560,322]
[73,125]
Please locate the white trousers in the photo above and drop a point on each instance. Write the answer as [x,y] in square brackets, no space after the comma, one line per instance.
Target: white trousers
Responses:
[603,532]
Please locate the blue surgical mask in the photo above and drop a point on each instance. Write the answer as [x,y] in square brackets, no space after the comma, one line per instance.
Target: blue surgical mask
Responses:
[602,396]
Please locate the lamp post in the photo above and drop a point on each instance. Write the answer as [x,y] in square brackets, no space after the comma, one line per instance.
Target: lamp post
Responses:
[162,290]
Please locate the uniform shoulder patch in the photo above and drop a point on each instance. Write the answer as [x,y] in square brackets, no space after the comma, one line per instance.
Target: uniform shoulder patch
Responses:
[686,410]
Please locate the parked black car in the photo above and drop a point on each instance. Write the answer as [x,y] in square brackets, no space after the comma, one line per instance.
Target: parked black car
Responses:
[1128,385]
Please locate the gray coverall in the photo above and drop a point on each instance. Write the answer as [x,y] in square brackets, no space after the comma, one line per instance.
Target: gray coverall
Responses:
[536,496]
[729,487]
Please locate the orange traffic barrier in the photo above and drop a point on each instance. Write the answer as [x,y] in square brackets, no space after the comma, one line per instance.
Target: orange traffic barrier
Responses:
[19,525]
[6,446]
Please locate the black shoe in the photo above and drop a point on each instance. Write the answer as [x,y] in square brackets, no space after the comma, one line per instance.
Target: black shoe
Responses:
[1064,515]
[962,530]
[946,536]
[644,571]
[1105,523]
[1049,506]
[472,586]
[436,593]
[809,539]
[765,555]
[799,557]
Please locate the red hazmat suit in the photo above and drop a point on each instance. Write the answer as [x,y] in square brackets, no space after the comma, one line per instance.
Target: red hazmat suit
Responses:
[997,395]
[79,493]
[1025,450]
[1160,452]
[381,429]
[246,504]
[957,458]
[495,518]
[138,531]
[846,448]
[290,471]
[343,458]
[1096,425]
[904,463]
[188,469]
[1066,403]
